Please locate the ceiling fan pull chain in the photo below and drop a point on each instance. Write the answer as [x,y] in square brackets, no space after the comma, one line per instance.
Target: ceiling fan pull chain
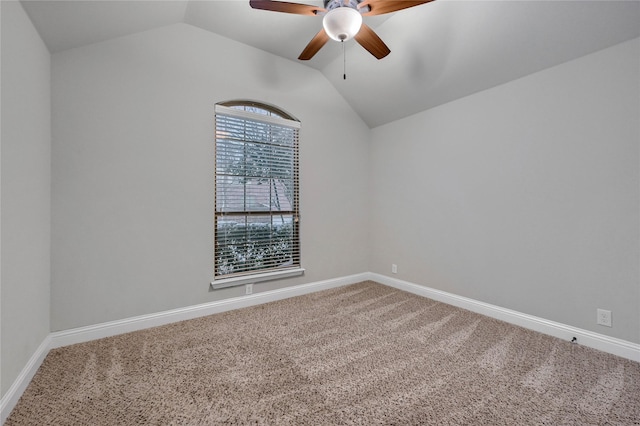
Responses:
[344,62]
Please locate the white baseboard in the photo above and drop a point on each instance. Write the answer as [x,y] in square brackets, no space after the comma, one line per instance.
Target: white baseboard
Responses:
[598,341]
[10,399]
[112,328]
[57,339]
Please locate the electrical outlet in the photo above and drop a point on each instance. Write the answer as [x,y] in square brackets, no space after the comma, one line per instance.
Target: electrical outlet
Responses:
[604,317]
[394,268]
[248,288]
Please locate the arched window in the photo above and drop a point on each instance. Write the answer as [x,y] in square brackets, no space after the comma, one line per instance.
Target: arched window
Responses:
[257,222]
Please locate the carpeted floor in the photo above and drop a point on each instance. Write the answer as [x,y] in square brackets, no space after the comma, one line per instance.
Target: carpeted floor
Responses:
[364,354]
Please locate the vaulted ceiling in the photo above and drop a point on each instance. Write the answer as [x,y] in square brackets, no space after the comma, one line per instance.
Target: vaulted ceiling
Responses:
[440,51]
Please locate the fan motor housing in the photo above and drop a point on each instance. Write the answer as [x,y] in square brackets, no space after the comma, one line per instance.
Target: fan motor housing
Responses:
[353,4]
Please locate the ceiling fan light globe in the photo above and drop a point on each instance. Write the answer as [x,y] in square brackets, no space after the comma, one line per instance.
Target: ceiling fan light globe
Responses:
[342,23]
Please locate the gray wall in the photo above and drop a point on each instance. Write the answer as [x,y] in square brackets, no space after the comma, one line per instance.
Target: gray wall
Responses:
[132,171]
[525,196]
[26,188]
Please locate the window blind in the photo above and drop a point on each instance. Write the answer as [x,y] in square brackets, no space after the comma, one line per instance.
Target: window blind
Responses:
[256,192]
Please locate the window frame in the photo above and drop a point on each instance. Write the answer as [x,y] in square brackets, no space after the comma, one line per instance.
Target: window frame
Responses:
[272,115]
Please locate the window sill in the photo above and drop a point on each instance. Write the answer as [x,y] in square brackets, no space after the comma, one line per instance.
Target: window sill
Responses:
[256,278]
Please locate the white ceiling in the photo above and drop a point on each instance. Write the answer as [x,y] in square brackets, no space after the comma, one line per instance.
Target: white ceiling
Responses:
[440,51]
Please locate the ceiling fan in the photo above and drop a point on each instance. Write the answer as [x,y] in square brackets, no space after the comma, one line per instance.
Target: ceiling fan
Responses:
[342,20]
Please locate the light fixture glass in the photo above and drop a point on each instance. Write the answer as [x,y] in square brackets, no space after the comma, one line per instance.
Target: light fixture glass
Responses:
[342,23]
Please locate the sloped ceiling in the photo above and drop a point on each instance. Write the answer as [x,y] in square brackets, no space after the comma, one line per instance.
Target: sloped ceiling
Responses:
[440,51]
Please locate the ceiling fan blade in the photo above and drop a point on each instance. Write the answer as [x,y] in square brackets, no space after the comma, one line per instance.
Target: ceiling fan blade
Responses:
[286,7]
[370,41]
[380,7]
[314,45]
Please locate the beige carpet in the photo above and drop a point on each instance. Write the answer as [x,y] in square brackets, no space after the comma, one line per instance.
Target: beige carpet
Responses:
[364,354]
